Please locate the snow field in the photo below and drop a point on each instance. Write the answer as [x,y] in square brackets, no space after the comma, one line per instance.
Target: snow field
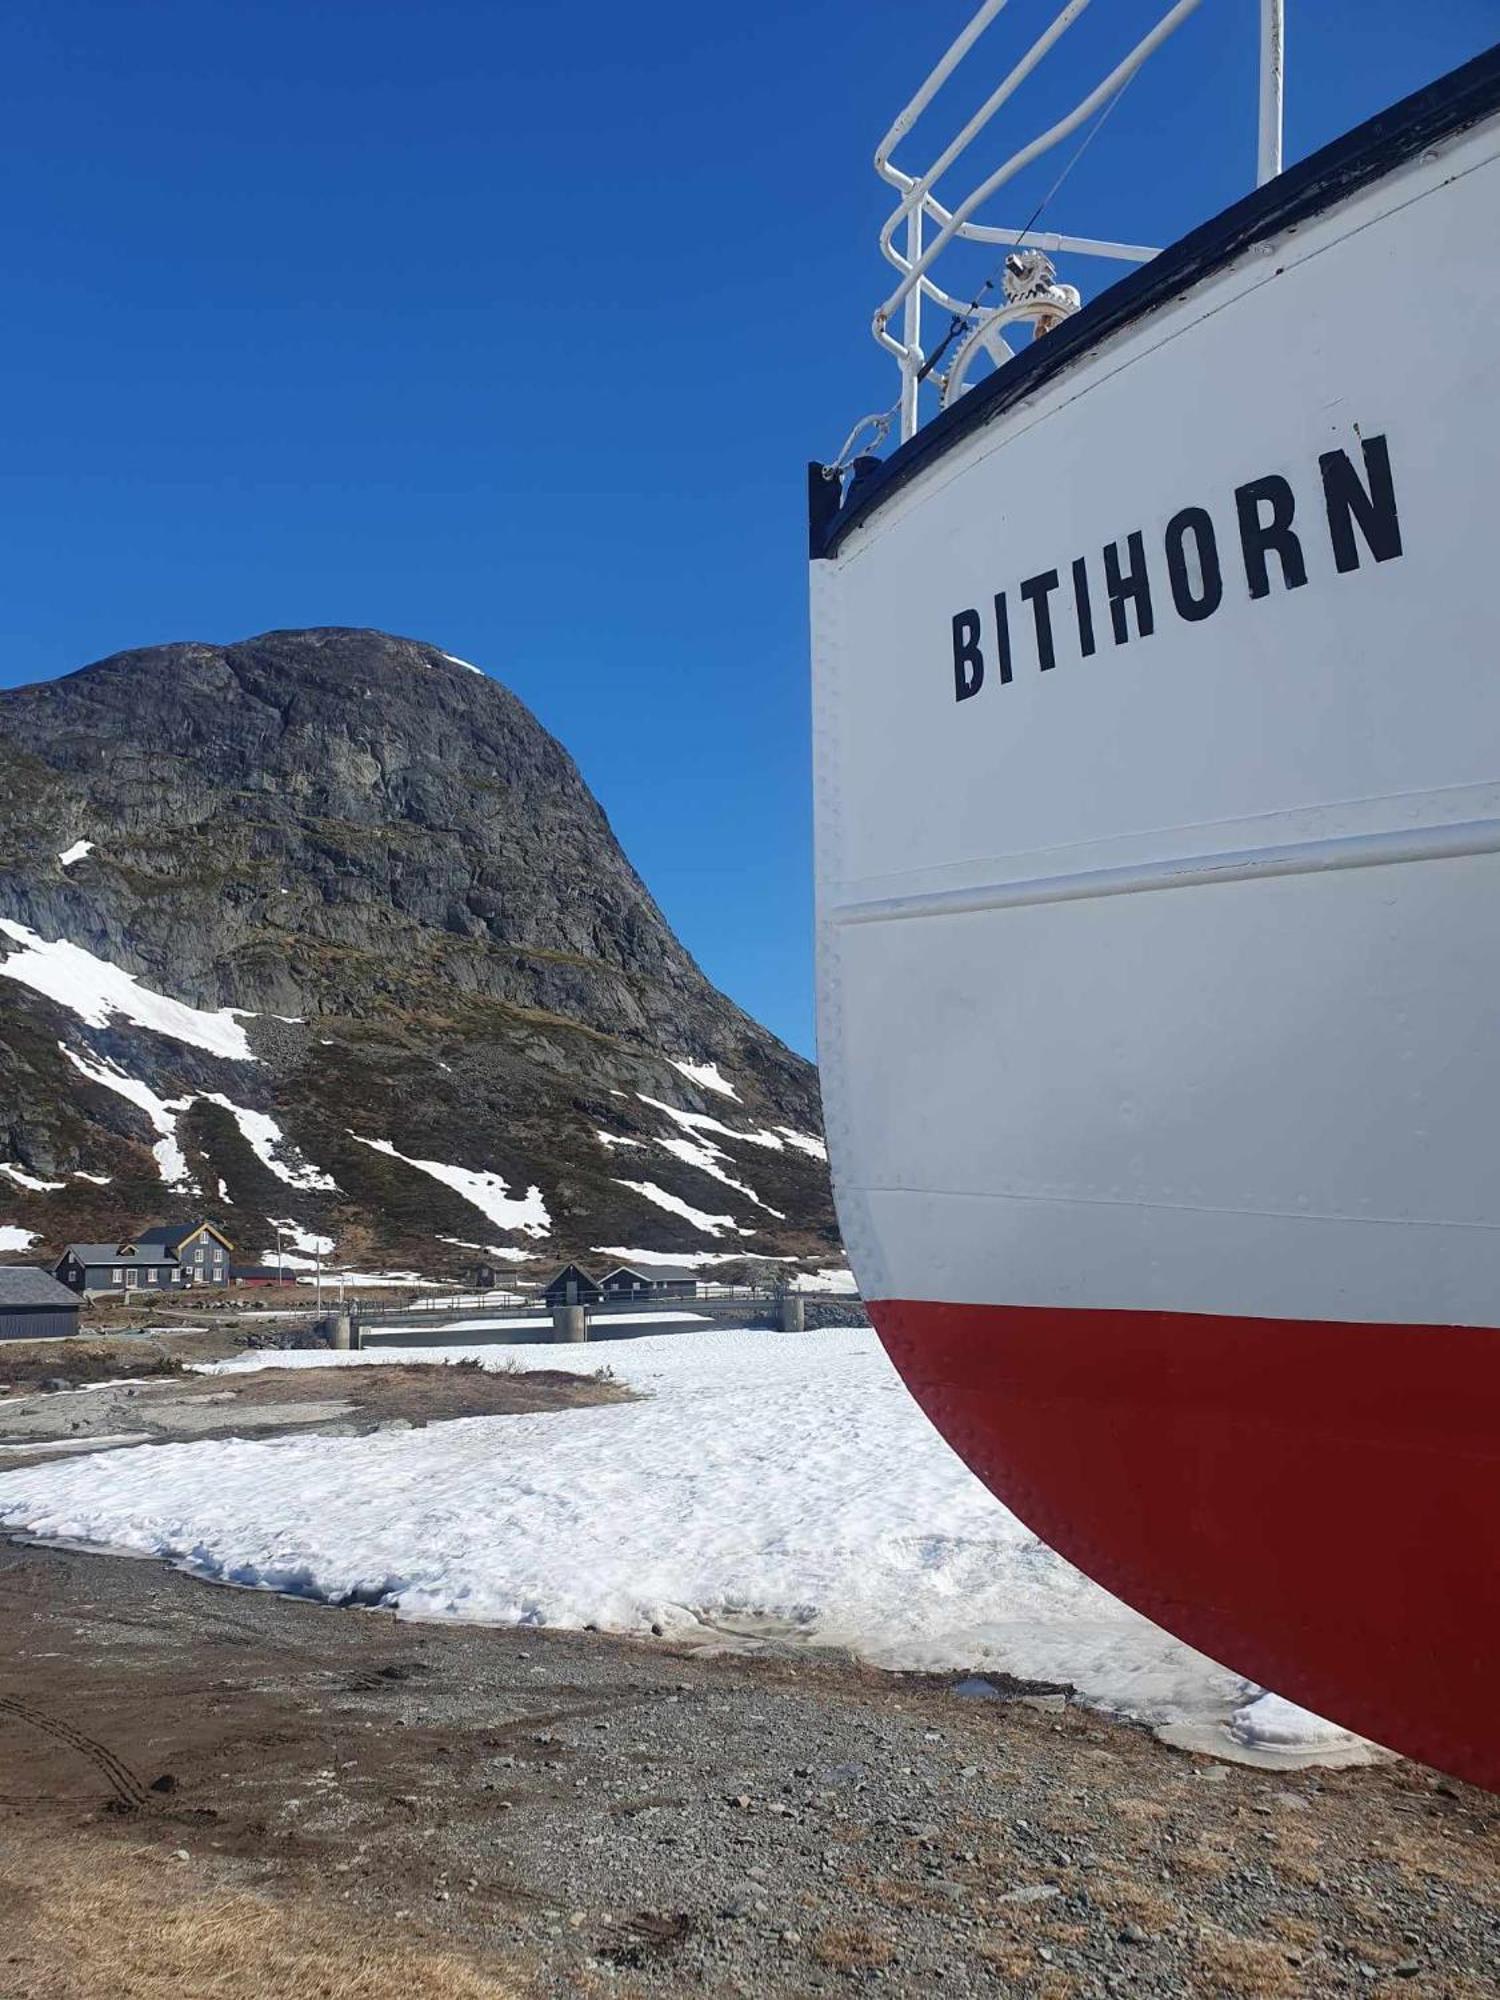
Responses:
[785,1476]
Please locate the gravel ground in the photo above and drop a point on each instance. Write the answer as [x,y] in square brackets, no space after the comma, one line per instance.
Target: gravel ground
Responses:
[598,1816]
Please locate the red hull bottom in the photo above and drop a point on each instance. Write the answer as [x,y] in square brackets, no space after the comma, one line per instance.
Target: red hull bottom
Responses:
[1316,1505]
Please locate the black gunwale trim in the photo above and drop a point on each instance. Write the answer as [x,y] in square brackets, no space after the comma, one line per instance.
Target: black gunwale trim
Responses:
[1360,156]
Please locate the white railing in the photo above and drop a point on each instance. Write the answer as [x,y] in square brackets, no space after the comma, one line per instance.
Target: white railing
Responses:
[922,227]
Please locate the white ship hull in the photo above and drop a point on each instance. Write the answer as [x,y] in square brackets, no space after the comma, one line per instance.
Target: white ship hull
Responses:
[1157,712]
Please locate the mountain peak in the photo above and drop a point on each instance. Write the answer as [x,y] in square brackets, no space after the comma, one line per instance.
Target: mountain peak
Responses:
[377,860]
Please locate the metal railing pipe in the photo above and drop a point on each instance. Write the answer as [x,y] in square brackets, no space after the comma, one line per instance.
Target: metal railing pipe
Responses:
[1117,78]
[922,186]
[936,78]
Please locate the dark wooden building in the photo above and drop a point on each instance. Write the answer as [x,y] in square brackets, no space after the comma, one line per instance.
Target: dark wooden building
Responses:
[572,1286]
[168,1258]
[650,1281]
[34,1306]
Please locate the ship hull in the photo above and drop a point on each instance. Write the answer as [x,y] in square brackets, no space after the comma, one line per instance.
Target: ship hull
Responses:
[1157,723]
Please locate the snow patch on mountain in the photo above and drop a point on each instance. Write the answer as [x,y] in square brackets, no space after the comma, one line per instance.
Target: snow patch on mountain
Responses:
[75,853]
[711,1225]
[14,1238]
[163,1113]
[96,991]
[25,1180]
[804,1142]
[487,1192]
[692,1259]
[706,1076]
[264,1137]
[305,1240]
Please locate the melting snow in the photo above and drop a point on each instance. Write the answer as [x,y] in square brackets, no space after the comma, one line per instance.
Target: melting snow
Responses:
[95,990]
[495,1249]
[836,1279]
[12,1238]
[75,853]
[612,1139]
[804,1142]
[299,1238]
[263,1135]
[170,1161]
[690,1258]
[99,1180]
[26,1180]
[700,1121]
[706,1157]
[485,1191]
[786,1476]
[1272,1722]
[463,663]
[711,1225]
[706,1076]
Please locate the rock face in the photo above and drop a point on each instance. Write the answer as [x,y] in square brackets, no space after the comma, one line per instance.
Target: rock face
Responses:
[442,956]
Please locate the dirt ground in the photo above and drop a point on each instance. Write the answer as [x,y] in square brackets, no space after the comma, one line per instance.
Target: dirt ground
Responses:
[206,1791]
[132,1394]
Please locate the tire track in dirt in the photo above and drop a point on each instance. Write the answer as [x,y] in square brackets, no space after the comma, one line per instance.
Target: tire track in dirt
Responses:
[130,1792]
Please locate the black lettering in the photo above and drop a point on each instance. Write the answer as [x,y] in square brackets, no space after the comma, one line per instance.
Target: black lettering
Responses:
[1196,579]
[968,661]
[1258,537]
[1348,501]
[1036,590]
[1084,608]
[1002,635]
[1133,587]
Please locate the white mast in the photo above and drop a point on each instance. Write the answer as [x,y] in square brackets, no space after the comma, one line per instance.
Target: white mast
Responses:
[1272,75]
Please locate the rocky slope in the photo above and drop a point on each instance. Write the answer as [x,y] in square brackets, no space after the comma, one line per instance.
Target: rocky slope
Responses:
[441,954]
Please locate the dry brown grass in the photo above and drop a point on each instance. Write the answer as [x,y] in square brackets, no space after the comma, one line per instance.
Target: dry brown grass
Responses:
[1232,1967]
[1300,1931]
[88,1920]
[1129,1900]
[852,1950]
[1197,1865]
[1008,1957]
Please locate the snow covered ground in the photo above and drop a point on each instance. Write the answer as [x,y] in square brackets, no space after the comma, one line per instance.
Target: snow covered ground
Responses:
[787,1477]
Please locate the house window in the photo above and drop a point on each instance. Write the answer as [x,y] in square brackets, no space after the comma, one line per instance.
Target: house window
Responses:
[117,1276]
[198,1254]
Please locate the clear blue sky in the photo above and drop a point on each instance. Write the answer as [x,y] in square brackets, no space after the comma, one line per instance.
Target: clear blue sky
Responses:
[511,325]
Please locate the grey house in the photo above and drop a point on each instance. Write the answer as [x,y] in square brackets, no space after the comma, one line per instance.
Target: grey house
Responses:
[167,1258]
[34,1306]
[651,1281]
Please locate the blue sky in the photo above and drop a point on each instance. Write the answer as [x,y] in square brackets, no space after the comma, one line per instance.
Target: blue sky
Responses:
[511,326]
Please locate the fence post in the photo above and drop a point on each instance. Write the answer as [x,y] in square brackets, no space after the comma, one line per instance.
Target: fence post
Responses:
[793,1318]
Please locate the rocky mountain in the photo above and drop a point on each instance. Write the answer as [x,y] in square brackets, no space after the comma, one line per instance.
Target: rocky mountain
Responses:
[324,929]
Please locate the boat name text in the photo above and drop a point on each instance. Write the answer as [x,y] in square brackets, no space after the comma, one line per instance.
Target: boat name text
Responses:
[1359,509]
